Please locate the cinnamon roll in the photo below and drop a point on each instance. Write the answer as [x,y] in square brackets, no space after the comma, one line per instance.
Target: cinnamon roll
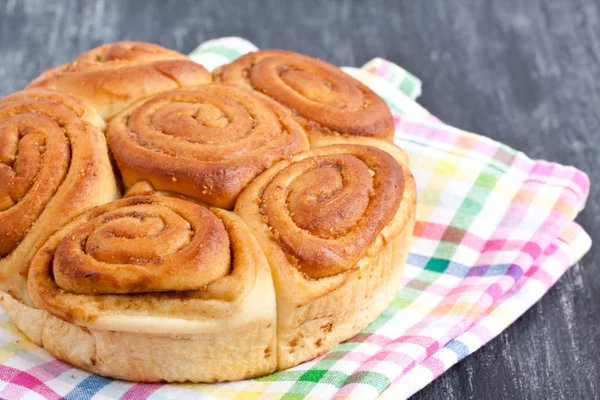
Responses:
[208,142]
[334,223]
[113,76]
[53,166]
[153,288]
[161,285]
[325,100]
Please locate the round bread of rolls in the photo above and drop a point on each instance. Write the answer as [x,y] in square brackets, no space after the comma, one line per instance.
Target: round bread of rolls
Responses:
[153,288]
[324,99]
[335,224]
[113,76]
[54,165]
[237,250]
[207,142]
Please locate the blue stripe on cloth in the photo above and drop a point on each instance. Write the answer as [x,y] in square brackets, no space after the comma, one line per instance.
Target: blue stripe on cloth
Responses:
[459,348]
[88,387]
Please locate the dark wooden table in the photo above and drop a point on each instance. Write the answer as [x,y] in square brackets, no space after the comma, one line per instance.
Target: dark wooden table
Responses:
[526,73]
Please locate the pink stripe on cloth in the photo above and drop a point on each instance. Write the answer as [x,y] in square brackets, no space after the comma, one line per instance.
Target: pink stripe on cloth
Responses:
[49,370]
[557,254]
[141,391]
[438,134]
[526,252]
[20,382]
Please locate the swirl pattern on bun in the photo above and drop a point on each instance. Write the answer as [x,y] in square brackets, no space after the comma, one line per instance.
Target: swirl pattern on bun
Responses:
[207,142]
[324,99]
[326,209]
[113,76]
[334,223]
[166,284]
[156,265]
[53,165]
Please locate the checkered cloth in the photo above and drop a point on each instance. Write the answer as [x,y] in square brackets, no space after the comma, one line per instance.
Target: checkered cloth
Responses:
[494,232]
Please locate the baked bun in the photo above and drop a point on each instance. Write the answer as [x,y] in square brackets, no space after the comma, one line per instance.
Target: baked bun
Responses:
[153,288]
[208,142]
[335,224]
[165,284]
[325,100]
[113,76]
[53,166]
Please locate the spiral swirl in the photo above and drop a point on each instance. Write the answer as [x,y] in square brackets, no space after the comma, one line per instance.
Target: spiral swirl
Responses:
[328,205]
[113,76]
[143,245]
[43,155]
[145,255]
[48,149]
[207,143]
[326,100]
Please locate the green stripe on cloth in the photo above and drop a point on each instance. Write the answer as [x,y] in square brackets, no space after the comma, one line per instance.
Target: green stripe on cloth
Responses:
[408,85]
[227,52]
[394,107]
[375,379]
[286,375]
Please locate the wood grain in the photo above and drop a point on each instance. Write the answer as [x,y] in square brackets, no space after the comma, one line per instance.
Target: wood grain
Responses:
[524,72]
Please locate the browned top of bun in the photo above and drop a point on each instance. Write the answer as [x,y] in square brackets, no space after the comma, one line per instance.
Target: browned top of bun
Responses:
[206,142]
[113,76]
[324,98]
[143,244]
[146,255]
[328,205]
[41,132]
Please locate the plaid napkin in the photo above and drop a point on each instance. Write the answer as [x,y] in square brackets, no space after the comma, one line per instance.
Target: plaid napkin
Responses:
[494,232]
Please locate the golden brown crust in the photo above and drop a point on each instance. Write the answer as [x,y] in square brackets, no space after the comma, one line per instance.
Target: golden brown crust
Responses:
[53,166]
[208,142]
[315,314]
[159,286]
[113,76]
[134,245]
[325,100]
[326,207]
[187,276]
[219,328]
[237,351]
